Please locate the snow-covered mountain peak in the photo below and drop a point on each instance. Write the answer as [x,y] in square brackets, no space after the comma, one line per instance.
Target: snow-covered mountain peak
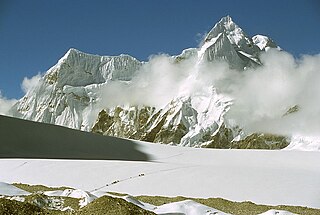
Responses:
[226,41]
[69,54]
[227,26]
[77,68]
[66,93]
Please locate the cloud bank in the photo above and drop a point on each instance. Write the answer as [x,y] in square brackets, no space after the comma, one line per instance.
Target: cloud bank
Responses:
[261,95]
[155,84]
[26,85]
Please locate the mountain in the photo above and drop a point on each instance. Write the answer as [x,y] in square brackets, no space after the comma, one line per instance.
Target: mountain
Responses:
[69,94]
[66,93]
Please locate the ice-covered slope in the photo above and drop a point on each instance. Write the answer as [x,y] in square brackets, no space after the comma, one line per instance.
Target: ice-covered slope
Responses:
[267,177]
[264,42]
[10,190]
[277,212]
[187,207]
[304,143]
[66,94]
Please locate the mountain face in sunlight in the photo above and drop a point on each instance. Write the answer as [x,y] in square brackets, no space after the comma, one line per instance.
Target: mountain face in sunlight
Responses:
[193,99]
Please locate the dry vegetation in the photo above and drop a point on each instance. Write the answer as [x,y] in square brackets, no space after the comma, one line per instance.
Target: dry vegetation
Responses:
[110,205]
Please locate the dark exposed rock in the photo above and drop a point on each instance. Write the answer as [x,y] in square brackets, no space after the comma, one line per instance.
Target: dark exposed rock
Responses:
[221,140]
[148,125]
[8,207]
[261,141]
[291,110]
[103,123]
[171,134]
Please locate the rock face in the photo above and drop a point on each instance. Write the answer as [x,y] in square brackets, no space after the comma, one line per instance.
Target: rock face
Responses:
[184,121]
[261,141]
[69,95]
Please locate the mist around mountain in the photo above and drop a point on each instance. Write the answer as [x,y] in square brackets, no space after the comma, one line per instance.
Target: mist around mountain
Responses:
[231,87]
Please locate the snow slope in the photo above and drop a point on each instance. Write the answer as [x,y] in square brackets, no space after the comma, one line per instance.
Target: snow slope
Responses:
[304,143]
[10,190]
[264,42]
[66,94]
[264,177]
[187,207]
[27,139]
[277,212]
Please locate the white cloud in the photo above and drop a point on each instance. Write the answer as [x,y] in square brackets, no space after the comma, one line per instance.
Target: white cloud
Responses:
[30,83]
[155,84]
[261,95]
[6,104]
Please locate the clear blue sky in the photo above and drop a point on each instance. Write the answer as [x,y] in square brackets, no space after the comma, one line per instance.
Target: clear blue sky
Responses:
[34,34]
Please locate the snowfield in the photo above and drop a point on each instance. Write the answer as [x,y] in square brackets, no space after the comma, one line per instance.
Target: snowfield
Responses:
[10,190]
[263,177]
